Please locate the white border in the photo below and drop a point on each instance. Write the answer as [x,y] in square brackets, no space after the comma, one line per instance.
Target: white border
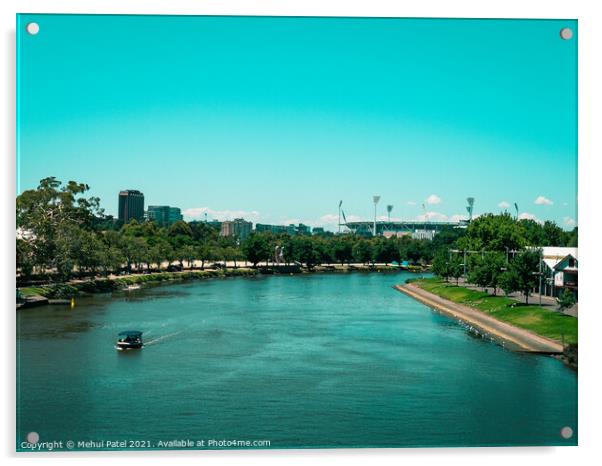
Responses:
[590,195]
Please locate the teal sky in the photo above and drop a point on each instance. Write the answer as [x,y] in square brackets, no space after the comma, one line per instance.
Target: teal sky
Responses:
[277,119]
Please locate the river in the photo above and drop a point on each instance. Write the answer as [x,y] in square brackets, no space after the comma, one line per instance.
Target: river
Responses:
[323,360]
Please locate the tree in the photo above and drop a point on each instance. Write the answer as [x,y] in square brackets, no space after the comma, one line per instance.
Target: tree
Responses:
[573,240]
[256,248]
[486,270]
[493,233]
[188,253]
[525,266]
[341,250]
[508,281]
[386,250]
[362,251]
[51,215]
[441,266]
[566,300]
[456,267]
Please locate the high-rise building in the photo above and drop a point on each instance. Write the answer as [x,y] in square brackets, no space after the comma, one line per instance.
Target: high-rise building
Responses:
[164,215]
[237,227]
[175,215]
[131,205]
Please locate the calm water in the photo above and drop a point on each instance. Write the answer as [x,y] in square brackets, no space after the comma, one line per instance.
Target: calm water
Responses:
[303,361]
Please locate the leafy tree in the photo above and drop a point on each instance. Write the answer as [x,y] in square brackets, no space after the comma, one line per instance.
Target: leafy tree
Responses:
[525,266]
[342,250]
[441,266]
[204,252]
[386,250]
[493,233]
[486,270]
[572,240]
[456,267]
[566,300]
[256,248]
[362,251]
[509,281]
[187,253]
[306,251]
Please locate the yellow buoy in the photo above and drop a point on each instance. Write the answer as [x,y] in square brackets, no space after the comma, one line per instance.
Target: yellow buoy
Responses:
[72,303]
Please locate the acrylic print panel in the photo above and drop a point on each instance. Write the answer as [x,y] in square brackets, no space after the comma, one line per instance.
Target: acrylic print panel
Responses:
[263,233]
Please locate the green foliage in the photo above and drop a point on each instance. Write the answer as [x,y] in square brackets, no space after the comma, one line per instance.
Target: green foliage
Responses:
[566,300]
[525,266]
[486,270]
[68,235]
[493,233]
[441,266]
[362,251]
[256,248]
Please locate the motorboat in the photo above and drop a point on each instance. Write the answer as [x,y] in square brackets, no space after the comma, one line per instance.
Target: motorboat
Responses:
[129,339]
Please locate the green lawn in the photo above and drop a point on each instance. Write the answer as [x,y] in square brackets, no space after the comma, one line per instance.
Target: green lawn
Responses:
[539,320]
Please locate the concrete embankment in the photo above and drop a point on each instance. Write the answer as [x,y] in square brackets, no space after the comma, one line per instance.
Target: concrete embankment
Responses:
[502,332]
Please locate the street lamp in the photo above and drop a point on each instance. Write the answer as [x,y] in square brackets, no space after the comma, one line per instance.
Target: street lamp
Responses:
[375,199]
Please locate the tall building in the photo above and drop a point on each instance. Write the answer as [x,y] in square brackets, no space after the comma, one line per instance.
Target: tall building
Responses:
[237,227]
[164,215]
[131,205]
[175,215]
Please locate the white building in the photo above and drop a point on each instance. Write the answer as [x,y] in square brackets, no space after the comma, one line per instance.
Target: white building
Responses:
[560,270]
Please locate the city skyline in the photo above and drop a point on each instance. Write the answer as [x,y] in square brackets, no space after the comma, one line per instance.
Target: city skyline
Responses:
[303,113]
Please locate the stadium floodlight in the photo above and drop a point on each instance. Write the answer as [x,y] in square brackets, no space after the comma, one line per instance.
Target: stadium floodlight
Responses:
[375,199]
[470,207]
[516,207]
[389,209]
[340,204]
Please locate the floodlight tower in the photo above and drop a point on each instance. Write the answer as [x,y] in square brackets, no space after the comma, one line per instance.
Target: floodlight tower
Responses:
[516,208]
[375,199]
[469,207]
[389,209]
[340,204]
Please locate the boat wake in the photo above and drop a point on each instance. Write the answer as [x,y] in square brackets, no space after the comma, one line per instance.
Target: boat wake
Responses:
[161,338]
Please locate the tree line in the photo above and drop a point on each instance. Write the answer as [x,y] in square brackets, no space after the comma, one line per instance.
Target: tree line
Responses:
[500,252]
[62,233]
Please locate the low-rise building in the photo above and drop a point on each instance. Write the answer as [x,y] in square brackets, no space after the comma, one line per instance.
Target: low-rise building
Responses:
[559,270]
[262,227]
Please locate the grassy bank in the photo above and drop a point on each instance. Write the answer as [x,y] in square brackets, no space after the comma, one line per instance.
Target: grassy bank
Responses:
[536,319]
[103,285]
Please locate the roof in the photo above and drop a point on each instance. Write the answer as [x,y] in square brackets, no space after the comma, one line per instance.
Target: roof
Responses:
[552,256]
[131,333]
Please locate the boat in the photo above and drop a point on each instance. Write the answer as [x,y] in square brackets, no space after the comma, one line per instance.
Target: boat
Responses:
[129,339]
[133,287]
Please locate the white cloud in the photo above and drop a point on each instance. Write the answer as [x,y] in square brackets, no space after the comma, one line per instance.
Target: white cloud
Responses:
[290,221]
[503,205]
[411,203]
[528,216]
[541,200]
[198,213]
[569,221]
[433,199]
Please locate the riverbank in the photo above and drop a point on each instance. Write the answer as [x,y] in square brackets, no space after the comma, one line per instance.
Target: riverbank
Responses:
[503,332]
[41,294]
